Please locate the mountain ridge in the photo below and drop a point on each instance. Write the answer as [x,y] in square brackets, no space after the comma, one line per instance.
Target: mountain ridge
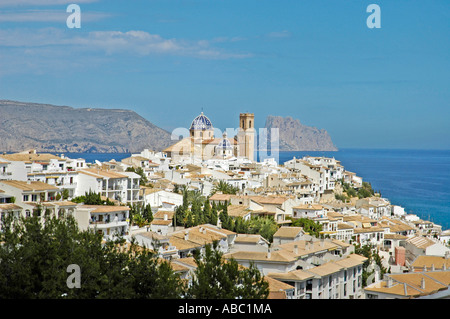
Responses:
[294,136]
[53,128]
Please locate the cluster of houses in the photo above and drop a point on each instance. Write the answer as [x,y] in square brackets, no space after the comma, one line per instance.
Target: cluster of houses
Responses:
[296,264]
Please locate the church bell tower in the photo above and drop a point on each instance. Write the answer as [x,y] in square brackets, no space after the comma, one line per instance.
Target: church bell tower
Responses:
[246,135]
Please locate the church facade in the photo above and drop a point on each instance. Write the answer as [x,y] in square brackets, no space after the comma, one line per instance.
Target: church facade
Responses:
[201,144]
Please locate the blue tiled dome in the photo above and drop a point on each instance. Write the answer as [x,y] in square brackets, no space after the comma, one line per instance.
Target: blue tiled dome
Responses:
[224,143]
[201,122]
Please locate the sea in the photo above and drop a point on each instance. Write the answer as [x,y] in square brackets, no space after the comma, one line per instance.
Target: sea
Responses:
[417,180]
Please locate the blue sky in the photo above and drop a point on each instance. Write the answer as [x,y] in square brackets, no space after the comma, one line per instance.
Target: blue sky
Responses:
[316,61]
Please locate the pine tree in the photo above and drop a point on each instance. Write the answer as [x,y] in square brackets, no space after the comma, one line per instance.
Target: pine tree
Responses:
[147,213]
[35,255]
[207,212]
[216,278]
[214,218]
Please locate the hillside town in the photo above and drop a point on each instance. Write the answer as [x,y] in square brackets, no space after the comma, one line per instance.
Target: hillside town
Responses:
[320,216]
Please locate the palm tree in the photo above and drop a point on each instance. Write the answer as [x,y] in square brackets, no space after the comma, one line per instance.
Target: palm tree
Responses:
[225,188]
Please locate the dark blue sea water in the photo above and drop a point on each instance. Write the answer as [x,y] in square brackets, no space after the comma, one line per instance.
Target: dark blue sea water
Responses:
[418,180]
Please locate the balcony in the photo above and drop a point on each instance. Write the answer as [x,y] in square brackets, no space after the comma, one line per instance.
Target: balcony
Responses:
[133,186]
[108,224]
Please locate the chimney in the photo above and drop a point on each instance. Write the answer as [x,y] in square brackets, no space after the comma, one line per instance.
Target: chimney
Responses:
[422,283]
[389,282]
[186,235]
[432,267]
[165,216]
[269,254]
[296,249]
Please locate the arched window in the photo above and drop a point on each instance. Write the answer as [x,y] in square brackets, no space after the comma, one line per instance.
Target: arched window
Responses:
[250,124]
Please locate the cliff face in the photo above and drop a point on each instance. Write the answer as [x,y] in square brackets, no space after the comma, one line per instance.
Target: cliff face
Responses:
[294,136]
[50,128]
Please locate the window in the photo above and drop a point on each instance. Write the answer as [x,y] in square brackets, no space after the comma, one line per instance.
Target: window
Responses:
[25,198]
[309,284]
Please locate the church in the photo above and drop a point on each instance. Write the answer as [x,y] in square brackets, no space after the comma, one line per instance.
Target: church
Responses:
[201,144]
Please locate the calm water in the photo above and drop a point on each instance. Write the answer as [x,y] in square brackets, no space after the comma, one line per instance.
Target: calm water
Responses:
[418,180]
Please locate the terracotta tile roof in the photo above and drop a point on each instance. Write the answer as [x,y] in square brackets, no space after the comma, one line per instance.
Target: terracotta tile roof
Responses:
[305,247]
[413,284]
[26,157]
[295,275]
[6,207]
[420,242]
[160,214]
[309,207]
[326,269]
[429,261]
[238,210]
[105,208]
[276,285]
[102,173]
[282,256]
[29,185]
[288,232]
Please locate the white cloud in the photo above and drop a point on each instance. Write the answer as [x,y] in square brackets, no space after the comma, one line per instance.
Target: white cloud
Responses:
[279,34]
[111,42]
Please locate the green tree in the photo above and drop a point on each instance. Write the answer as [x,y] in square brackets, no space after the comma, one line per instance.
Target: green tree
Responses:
[36,252]
[143,180]
[265,226]
[147,213]
[216,278]
[308,225]
[224,188]
[365,191]
[213,219]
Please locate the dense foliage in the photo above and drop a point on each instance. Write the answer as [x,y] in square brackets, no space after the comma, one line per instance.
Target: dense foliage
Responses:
[219,279]
[373,258]
[311,227]
[140,214]
[92,198]
[196,210]
[139,170]
[224,188]
[348,192]
[35,254]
